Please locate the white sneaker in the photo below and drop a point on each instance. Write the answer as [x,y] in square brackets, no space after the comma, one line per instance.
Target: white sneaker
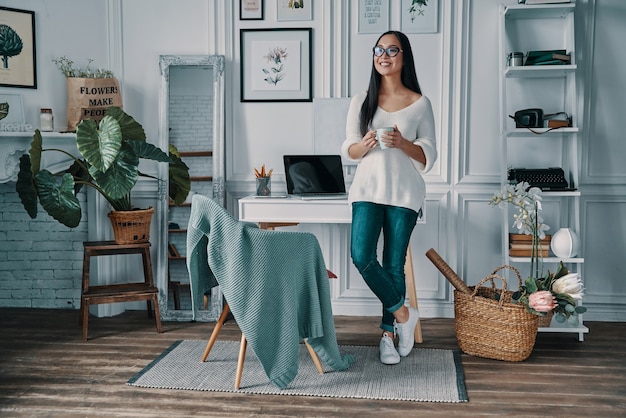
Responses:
[406,333]
[388,353]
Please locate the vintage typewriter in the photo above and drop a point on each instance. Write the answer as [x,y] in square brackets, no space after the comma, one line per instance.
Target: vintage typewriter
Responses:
[547,179]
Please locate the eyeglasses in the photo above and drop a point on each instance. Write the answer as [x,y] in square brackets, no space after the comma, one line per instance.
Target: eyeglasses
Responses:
[392,51]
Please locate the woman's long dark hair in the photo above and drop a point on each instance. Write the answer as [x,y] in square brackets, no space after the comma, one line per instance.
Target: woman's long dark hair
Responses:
[408,77]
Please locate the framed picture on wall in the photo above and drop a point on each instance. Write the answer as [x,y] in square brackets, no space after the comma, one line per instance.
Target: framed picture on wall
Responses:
[294,10]
[251,9]
[11,109]
[18,60]
[373,16]
[276,65]
[420,16]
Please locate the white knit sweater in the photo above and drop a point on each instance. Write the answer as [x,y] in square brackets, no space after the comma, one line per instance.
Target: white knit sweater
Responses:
[389,176]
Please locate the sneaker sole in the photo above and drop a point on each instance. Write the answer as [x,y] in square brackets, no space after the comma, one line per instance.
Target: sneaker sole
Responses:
[390,364]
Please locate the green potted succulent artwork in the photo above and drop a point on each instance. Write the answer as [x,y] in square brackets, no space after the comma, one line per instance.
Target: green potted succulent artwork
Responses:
[109,163]
[11,44]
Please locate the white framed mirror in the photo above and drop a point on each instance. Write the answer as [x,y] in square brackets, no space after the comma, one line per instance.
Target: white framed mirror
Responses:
[191,117]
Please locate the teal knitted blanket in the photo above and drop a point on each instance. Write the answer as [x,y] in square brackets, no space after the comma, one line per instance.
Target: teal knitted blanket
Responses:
[275,283]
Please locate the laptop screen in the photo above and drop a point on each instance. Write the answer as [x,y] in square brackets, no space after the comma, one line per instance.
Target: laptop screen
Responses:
[314,174]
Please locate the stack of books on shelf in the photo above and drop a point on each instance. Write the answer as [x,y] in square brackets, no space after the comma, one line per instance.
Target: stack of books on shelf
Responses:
[553,57]
[521,245]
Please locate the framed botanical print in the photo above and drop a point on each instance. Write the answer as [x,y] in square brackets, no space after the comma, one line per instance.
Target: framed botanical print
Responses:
[17,42]
[276,65]
[294,10]
[420,16]
[11,109]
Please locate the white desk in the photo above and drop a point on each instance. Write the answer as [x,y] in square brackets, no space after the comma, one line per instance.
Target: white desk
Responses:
[256,209]
[270,213]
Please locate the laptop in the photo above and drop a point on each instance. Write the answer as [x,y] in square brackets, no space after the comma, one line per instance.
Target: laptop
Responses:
[314,177]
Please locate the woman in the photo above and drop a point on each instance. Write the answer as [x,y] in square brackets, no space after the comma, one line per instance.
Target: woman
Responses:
[388,190]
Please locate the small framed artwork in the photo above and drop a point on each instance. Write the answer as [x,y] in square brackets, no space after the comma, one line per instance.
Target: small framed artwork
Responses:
[11,109]
[251,9]
[294,10]
[420,16]
[276,65]
[17,64]
[373,16]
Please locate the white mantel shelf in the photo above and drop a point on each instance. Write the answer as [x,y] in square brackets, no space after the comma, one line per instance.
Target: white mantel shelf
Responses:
[14,144]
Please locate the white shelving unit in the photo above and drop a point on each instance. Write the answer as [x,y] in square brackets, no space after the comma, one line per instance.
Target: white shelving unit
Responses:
[552,88]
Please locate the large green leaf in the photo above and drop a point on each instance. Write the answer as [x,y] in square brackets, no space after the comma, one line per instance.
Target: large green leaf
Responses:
[179,181]
[59,200]
[145,149]
[562,271]
[131,129]
[531,285]
[99,146]
[120,178]
[121,204]
[77,170]
[35,152]
[26,188]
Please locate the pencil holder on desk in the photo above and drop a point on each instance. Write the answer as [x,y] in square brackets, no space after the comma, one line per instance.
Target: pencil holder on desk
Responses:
[263,186]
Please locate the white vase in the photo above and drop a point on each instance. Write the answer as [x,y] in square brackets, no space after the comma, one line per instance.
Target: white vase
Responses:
[565,243]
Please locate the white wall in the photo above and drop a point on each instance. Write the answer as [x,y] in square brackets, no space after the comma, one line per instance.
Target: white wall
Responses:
[603,172]
[457,68]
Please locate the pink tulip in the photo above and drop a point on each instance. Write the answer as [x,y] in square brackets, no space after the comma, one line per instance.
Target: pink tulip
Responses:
[542,301]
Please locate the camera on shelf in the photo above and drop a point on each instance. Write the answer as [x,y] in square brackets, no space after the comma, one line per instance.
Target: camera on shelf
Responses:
[535,118]
[529,118]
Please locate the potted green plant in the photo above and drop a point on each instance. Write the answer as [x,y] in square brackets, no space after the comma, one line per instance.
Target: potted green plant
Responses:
[109,163]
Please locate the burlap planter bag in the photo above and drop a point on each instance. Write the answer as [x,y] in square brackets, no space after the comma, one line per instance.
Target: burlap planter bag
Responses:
[88,98]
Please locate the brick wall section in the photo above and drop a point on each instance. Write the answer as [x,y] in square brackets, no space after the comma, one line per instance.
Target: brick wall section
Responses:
[191,128]
[41,260]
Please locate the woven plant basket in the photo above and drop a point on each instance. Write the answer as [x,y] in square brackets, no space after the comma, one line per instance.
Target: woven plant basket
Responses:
[131,227]
[490,328]
[545,321]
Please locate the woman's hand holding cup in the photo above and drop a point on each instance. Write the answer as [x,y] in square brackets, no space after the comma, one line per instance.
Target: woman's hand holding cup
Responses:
[381,136]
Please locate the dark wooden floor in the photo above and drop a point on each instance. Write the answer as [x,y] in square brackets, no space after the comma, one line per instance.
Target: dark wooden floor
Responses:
[45,370]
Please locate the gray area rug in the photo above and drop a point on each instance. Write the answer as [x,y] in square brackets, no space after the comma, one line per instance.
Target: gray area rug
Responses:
[426,375]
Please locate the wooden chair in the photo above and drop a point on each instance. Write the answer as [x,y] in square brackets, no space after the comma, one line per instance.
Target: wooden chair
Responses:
[243,346]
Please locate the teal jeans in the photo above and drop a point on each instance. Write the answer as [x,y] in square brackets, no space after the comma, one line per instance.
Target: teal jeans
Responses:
[386,280]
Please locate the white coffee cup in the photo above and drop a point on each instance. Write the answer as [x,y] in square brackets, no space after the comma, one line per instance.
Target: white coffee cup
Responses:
[379,133]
